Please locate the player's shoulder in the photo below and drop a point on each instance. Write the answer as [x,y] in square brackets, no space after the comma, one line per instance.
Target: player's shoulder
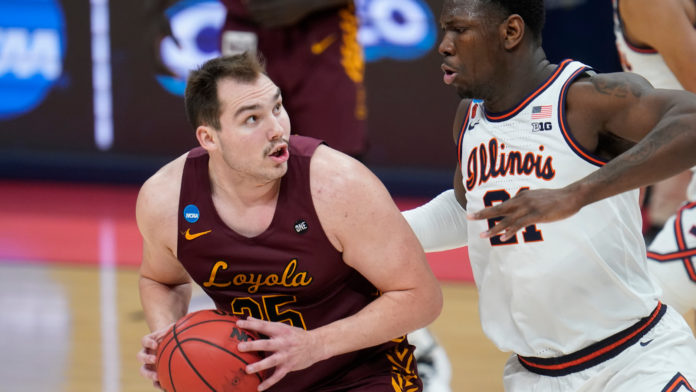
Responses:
[337,178]
[332,168]
[608,92]
[614,84]
[160,192]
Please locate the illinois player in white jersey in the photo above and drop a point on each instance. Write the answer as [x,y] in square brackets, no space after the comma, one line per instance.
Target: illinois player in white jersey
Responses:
[657,40]
[551,157]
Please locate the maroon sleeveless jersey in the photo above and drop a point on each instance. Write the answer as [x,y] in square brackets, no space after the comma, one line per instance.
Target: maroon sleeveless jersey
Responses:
[289,273]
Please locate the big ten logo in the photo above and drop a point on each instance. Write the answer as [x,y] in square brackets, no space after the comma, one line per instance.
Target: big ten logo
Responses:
[397,29]
[541,126]
[32,46]
[196,24]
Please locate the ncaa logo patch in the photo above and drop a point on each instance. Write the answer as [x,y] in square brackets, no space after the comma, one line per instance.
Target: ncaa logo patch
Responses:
[191,213]
[301,226]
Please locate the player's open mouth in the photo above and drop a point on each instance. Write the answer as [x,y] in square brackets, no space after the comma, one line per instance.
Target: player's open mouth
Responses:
[280,152]
[450,74]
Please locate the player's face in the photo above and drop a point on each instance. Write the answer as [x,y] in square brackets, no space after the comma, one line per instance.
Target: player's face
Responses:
[255,128]
[469,46]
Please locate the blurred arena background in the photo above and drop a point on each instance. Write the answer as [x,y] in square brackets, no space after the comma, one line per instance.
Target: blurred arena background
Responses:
[85,119]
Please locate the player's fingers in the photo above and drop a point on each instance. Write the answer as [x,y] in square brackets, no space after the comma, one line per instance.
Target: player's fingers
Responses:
[263,327]
[506,228]
[149,373]
[275,377]
[257,345]
[266,363]
[145,357]
[148,342]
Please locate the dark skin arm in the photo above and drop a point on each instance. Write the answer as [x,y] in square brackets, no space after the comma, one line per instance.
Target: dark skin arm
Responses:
[607,114]
[280,13]
[458,185]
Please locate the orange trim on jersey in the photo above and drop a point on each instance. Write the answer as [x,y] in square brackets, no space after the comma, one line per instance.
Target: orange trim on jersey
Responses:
[672,255]
[677,382]
[533,95]
[643,326]
[681,241]
[561,120]
[461,133]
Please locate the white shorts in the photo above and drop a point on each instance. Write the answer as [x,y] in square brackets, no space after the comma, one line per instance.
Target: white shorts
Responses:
[672,259]
[662,360]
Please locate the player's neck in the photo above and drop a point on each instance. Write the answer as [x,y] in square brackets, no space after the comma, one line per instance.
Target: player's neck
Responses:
[243,190]
[521,78]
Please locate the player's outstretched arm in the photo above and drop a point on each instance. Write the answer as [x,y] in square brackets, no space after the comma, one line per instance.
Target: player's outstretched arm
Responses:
[662,123]
[362,221]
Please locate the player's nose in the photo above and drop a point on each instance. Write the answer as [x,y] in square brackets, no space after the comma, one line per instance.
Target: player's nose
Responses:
[446,47]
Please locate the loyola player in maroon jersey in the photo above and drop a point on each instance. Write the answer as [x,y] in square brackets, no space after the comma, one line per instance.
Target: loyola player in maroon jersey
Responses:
[301,237]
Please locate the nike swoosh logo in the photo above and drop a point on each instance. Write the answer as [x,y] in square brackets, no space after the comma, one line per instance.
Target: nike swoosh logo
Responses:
[190,236]
[646,342]
[321,46]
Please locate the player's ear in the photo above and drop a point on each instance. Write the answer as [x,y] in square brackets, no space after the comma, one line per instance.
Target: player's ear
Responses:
[512,31]
[206,137]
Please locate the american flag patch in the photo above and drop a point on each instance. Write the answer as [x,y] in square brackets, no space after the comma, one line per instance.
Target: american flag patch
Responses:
[539,112]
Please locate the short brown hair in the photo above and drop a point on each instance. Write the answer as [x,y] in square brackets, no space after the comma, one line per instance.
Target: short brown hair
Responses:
[201,96]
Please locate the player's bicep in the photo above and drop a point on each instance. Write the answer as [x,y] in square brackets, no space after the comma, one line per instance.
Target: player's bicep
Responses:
[621,103]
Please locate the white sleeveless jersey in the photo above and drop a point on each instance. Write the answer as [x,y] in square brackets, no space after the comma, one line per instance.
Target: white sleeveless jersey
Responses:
[644,61]
[556,287]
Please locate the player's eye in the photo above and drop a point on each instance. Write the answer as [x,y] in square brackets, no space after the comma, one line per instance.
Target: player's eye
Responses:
[251,120]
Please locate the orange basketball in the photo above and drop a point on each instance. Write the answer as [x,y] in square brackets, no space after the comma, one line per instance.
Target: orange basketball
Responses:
[199,353]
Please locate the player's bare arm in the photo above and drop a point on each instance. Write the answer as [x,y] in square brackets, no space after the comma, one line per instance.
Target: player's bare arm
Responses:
[362,221]
[459,116]
[164,284]
[601,110]
[165,288]
[668,27]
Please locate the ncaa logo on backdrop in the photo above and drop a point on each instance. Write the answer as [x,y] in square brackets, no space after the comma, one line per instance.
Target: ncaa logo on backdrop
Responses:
[196,24]
[398,29]
[32,48]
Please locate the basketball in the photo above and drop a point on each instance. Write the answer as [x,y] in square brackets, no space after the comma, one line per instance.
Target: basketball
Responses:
[199,353]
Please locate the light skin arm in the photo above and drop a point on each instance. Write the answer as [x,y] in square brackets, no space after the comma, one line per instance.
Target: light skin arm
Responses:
[662,122]
[667,27]
[165,287]
[362,221]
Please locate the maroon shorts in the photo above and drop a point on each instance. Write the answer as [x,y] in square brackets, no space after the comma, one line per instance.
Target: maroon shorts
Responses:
[319,67]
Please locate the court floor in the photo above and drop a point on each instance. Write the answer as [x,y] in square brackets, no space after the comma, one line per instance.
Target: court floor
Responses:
[70,317]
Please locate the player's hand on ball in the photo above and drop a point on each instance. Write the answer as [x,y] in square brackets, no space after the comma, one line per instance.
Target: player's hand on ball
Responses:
[287,349]
[147,354]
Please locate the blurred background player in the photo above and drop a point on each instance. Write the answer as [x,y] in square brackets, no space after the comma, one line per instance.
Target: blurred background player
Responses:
[312,53]
[658,41]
